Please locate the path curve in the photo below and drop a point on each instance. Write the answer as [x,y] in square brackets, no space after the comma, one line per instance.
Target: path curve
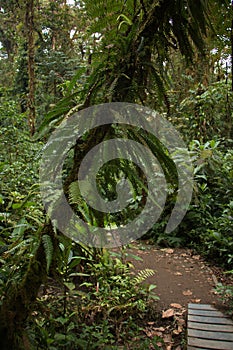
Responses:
[180,275]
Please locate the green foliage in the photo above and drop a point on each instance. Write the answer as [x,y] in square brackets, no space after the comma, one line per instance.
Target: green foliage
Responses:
[103,306]
[55,69]
[208,225]
[48,247]
[21,216]
[18,165]
[18,156]
[226,294]
[205,113]
[128,58]
[113,172]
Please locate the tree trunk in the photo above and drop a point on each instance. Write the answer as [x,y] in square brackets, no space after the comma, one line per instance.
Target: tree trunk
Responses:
[232,46]
[17,304]
[29,23]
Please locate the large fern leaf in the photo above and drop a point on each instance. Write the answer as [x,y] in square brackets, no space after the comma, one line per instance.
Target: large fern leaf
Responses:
[48,248]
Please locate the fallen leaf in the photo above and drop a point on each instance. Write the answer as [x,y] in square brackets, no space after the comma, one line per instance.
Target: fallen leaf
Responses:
[168,313]
[181,322]
[160,329]
[157,334]
[187,292]
[195,300]
[196,257]
[178,330]
[180,313]
[168,250]
[176,306]
[148,333]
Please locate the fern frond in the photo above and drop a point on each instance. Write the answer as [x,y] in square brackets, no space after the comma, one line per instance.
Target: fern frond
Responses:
[48,248]
[74,193]
[143,275]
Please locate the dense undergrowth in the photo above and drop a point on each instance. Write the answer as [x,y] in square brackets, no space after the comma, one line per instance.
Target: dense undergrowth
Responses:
[91,300]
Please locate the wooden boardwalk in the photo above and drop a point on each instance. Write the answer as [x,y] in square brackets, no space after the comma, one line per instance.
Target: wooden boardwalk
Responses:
[208,328]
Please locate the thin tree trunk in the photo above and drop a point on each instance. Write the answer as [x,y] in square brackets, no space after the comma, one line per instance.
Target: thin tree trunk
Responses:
[231,45]
[17,304]
[29,22]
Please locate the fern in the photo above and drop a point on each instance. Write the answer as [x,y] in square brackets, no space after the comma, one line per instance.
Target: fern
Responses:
[143,275]
[75,197]
[74,193]
[48,248]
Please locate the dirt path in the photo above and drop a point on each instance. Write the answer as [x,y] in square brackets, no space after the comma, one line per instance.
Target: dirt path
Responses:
[181,277]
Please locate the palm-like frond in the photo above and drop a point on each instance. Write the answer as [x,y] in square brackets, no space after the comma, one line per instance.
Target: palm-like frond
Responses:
[143,275]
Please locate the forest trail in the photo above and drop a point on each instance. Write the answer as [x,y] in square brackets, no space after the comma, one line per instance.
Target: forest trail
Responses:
[180,275]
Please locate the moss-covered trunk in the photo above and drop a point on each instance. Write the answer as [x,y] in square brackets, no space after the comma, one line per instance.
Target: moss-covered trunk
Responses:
[17,305]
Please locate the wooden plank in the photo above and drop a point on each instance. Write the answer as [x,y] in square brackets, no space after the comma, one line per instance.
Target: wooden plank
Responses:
[210,335]
[210,327]
[210,344]
[201,306]
[209,313]
[210,320]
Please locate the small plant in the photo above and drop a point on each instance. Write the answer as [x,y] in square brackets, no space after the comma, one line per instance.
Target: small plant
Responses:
[226,295]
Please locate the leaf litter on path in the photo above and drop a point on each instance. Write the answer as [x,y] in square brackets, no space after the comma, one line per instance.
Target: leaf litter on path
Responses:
[181,277]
